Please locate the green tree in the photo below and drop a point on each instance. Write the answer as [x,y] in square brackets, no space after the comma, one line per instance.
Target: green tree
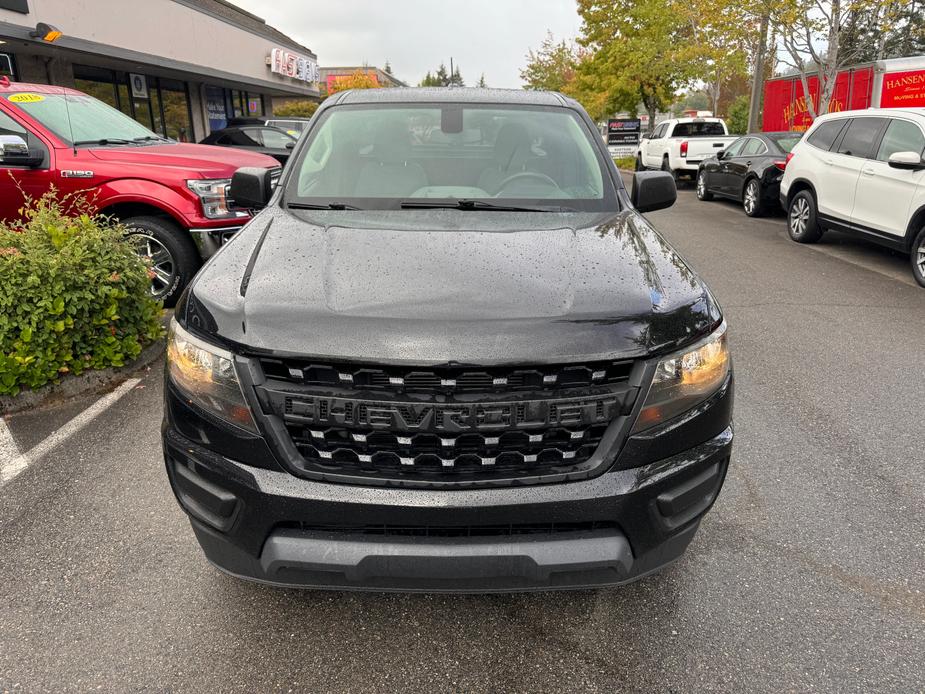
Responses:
[892,31]
[552,67]
[443,78]
[482,83]
[723,34]
[301,108]
[696,100]
[737,119]
[817,38]
[636,54]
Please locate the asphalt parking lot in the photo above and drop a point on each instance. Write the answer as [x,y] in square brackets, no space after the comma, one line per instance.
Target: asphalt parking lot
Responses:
[808,575]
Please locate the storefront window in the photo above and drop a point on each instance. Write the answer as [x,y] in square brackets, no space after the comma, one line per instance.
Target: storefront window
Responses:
[254,105]
[166,110]
[104,91]
[237,103]
[216,108]
[125,103]
[175,107]
[7,66]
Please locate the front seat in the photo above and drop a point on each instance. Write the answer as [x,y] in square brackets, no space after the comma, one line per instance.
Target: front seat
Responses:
[390,175]
[512,149]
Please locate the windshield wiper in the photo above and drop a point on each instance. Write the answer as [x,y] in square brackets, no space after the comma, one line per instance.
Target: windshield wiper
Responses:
[104,141]
[474,205]
[327,206]
[151,138]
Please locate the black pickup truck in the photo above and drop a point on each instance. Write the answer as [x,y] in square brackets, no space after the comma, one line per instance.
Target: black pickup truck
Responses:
[448,353]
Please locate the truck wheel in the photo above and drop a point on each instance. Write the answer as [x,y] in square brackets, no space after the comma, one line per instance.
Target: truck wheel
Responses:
[918,257]
[752,200]
[639,166]
[667,167]
[170,252]
[801,218]
[702,192]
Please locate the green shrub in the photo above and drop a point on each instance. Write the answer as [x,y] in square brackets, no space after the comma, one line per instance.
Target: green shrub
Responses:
[73,296]
[625,162]
[302,108]
[737,120]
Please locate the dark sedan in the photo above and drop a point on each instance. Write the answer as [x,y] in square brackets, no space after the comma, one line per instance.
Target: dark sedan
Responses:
[256,138]
[748,171]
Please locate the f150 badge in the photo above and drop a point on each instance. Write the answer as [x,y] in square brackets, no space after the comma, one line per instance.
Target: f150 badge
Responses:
[71,173]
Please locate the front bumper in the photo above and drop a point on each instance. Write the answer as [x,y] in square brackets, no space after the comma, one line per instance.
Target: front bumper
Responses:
[209,239]
[266,525]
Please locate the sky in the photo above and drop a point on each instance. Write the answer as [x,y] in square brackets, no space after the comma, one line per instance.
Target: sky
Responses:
[482,36]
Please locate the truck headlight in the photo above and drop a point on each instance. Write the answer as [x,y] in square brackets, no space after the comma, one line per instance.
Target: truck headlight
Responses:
[213,194]
[684,380]
[205,375]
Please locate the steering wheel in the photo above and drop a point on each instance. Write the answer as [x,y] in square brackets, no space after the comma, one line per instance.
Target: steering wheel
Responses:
[523,175]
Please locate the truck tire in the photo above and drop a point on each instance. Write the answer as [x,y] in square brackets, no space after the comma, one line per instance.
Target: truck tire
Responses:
[169,250]
[918,257]
[802,224]
[667,167]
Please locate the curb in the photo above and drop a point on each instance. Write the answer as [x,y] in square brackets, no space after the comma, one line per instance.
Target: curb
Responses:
[87,382]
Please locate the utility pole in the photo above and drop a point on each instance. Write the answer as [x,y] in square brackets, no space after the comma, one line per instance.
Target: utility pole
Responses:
[754,105]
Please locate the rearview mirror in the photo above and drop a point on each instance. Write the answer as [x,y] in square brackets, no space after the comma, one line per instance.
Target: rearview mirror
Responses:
[911,161]
[251,188]
[653,190]
[14,151]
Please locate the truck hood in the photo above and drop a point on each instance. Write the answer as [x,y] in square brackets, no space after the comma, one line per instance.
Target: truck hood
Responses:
[207,160]
[436,286]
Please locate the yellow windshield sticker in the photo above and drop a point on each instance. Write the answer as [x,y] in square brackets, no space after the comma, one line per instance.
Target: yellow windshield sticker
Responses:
[26,98]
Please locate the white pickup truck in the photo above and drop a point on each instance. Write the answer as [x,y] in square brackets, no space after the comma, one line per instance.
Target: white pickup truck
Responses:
[680,144]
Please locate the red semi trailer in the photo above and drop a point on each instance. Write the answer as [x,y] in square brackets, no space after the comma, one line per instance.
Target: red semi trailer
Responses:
[899,82]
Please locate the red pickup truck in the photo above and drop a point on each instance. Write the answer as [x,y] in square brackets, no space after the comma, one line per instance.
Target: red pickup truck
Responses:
[171,195]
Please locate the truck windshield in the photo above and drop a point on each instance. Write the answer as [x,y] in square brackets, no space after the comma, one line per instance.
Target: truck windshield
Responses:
[711,129]
[88,119]
[391,156]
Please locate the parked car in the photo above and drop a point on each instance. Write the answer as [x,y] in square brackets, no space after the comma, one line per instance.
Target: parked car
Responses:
[679,145]
[294,126]
[170,195]
[863,173]
[448,354]
[748,171]
[273,142]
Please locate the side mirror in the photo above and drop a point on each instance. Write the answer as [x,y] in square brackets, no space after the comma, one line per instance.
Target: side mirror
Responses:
[721,154]
[910,161]
[251,188]
[645,136]
[653,190]
[14,151]
[290,145]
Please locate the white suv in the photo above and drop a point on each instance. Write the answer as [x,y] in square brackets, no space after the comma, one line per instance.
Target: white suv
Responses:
[861,172]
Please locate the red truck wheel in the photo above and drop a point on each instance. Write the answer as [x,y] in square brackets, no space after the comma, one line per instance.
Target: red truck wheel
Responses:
[170,252]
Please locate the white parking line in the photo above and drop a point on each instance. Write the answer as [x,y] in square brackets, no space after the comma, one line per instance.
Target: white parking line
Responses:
[8,447]
[12,465]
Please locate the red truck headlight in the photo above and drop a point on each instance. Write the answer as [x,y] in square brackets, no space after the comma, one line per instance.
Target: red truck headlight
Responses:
[213,195]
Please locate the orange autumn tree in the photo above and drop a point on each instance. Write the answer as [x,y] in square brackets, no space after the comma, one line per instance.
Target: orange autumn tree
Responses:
[358,80]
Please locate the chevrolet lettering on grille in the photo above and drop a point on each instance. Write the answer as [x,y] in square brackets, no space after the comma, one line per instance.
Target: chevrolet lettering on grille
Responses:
[434,417]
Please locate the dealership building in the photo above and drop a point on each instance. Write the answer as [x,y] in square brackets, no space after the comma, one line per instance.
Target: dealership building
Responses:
[183,68]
